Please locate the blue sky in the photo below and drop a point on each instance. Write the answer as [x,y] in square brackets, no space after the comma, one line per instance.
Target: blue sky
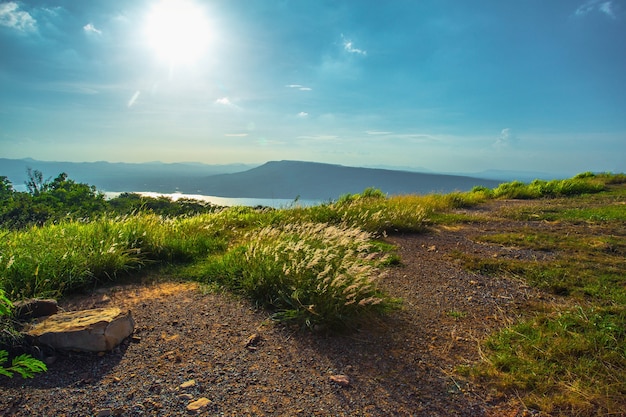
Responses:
[444,85]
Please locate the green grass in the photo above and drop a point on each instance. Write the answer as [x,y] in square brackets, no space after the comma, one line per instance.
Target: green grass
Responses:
[319,267]
[568,361]
[60,258]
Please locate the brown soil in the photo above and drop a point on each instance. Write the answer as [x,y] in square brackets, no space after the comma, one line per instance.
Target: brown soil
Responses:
[405,365]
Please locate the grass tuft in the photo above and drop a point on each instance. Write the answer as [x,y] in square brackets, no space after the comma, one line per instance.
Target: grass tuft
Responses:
[311,274]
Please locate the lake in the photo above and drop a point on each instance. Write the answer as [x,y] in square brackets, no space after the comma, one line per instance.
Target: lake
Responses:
[227,201]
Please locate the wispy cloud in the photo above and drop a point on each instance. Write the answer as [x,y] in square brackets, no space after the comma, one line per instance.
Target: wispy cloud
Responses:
[607,9]
[303,114]
[377,132]
[90,28]
[236,135]
[133,99]
[12,17]
[507,138]
[299,87]
[318,137]
[604,7]
[349,47]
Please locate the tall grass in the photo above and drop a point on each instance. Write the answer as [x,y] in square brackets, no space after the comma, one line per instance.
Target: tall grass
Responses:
[375,213]
[311,273]
[59,258]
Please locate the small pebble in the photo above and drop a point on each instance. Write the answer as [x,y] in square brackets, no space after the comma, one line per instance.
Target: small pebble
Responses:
[198,405]
[187,384]
[342,380]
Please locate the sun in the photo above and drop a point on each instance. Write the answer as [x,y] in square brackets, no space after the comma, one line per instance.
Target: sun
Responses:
[178,31]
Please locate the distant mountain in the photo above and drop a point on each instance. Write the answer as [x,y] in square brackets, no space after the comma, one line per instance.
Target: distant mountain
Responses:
[317,181]
[277,179]
[109,176]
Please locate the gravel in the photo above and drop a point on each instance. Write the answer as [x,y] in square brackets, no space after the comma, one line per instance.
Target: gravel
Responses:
[243,364]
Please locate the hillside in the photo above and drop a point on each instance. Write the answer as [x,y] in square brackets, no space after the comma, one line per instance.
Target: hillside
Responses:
[310,180]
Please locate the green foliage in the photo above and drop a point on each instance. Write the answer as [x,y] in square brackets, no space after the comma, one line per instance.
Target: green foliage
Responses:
[5,304]
[48,201]
[25,365]
[128,203]
[581,184]
[310,274]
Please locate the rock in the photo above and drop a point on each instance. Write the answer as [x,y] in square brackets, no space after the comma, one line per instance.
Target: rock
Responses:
[96,330]
[188,384]
[34,308]
[198,405]
[342,380]
[253,341]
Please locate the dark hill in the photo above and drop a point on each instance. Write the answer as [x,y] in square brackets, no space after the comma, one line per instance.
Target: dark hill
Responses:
[118,176]
[310,180]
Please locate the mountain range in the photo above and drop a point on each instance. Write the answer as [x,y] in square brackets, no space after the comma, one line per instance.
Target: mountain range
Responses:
[274,179]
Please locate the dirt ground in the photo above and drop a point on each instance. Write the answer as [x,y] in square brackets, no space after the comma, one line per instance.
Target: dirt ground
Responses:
[191,345]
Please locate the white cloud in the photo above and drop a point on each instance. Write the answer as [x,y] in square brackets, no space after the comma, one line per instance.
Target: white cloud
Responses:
[236,135]
[299,87]
[348,46]
[507,138]
[12,17]
[225,101]
[303,114]
[90,28]
[605,7]
[377,132]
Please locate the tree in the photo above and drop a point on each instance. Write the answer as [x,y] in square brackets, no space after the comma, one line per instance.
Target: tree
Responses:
[6,189]
[35,184]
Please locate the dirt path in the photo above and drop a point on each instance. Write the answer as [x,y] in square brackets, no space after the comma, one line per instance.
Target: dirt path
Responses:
[403,366]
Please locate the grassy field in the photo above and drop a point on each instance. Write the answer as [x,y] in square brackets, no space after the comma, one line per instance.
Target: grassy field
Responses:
[318,267]
[568,358]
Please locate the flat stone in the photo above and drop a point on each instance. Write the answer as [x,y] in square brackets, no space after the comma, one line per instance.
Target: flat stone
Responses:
[96,330]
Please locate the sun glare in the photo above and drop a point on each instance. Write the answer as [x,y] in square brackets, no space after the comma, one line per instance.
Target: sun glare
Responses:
[177,31]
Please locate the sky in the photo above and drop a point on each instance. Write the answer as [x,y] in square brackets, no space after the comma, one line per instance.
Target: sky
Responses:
[438,85]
